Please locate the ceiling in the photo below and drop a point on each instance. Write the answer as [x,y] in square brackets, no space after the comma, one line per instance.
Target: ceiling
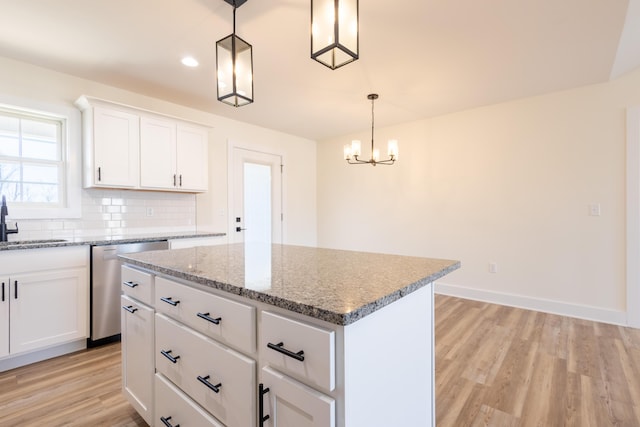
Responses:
[424,57]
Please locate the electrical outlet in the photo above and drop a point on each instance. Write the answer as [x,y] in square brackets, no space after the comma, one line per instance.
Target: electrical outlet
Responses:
[149,211]
[493,267]
[594,209]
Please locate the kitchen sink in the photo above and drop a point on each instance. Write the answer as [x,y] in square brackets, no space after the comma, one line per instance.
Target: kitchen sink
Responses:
[31,242]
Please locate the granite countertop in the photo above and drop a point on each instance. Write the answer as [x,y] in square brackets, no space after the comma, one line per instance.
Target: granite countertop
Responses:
[101,240]
[337,286]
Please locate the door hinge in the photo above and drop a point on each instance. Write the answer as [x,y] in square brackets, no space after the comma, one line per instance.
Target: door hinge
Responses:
[281,217]
[281,168]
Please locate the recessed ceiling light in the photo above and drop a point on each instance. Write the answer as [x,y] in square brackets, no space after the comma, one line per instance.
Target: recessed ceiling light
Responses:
[190,61]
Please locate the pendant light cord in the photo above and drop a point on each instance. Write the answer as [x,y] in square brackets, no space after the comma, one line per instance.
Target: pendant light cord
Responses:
[372,101]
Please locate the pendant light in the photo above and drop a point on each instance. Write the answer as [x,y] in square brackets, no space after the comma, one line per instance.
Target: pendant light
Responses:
[354,151]
[234,66]
[334,32]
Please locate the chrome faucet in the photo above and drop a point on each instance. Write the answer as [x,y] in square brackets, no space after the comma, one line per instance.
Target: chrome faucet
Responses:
[4,231]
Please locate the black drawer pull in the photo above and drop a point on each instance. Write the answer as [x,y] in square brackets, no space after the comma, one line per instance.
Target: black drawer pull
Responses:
[130,284]
[15,288]
[261,392]
[168,355]
[168,300]
[280,348]
[206,317]
[205,381]
[3,291]
[166,422]
[130,308]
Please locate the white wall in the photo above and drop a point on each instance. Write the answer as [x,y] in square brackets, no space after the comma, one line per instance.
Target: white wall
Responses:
[22,80]
[508,183]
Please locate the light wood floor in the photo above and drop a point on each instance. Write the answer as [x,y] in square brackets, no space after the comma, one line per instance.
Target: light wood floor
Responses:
[495,366]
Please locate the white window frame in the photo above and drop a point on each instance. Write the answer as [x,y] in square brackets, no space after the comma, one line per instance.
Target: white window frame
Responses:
[70,191]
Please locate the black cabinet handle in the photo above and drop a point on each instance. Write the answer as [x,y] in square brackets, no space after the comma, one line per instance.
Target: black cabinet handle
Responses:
[130,308]
[166,422]
[174,179]
[180,180]
[261,392]
[280,349]
[130,284]
[205,381]
[15,289]
[2,291]
[168,355]
[168,300]
[99,174]
[205,316]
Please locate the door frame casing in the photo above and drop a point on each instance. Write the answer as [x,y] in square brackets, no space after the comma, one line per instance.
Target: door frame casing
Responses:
[231,146]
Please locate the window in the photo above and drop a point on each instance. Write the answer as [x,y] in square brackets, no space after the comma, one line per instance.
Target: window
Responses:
[40,159]
[32,159]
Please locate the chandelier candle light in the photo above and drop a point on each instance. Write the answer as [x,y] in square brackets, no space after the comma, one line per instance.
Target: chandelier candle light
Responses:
[354,151]
[234,66]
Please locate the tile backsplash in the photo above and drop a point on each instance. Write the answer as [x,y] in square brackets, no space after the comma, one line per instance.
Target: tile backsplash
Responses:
[116,213]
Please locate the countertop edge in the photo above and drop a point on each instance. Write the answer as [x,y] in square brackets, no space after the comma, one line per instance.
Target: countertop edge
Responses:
[115,240]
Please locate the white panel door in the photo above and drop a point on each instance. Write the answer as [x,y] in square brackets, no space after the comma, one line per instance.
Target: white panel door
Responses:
[256,197]
[157,153]
[116,136]
[47,308]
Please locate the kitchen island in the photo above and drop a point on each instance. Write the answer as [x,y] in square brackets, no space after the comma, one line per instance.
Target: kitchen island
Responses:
[251,335]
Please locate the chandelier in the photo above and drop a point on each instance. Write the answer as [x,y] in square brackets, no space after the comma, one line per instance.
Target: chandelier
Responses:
[234,66]
[353,152]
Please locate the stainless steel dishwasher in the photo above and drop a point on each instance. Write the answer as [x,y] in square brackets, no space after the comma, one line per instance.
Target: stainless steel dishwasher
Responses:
[105,288]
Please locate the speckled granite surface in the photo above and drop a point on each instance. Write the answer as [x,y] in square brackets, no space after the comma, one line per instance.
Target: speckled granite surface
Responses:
[336,286]
[100,240]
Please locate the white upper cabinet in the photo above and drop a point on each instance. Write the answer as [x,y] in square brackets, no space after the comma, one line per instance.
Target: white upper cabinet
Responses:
[157,153]
[125,147]
[191,158]
[111,145]
[173,155]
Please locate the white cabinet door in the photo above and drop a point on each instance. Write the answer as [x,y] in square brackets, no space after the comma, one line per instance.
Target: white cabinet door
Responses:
[157,153]
[288,403]
[4,317]
[192,158]
[115,142]
[137,356]
[48,307]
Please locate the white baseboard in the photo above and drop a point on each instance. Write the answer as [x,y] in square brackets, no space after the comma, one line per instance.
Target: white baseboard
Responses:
[12,362]
[537,304]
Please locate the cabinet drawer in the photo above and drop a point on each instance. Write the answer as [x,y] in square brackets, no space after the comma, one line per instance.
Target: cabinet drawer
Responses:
[290,403]
[299,349]
[137,284]
[218,378]
[175,407]
[220,318]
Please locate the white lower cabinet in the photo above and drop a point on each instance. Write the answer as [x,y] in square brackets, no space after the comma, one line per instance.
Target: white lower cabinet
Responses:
[137,355]
[289,403]
[174,408]
[44,298]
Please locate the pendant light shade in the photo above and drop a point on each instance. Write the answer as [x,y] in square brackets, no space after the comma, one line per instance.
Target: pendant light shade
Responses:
[234,67]
[334,32]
